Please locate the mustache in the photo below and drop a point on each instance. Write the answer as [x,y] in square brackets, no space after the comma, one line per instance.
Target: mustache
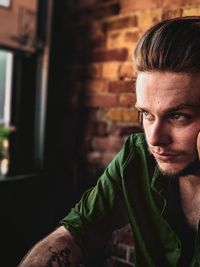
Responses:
[160,150]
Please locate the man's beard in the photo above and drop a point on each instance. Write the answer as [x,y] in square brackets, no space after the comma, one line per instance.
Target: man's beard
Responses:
[192,168]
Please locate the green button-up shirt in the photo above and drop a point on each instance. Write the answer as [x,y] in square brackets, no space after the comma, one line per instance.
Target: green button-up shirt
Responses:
[130,190]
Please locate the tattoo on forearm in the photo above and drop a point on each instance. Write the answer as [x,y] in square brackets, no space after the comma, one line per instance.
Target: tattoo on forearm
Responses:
[59,258]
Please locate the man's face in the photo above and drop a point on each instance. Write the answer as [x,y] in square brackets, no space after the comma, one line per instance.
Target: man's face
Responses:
[170,105]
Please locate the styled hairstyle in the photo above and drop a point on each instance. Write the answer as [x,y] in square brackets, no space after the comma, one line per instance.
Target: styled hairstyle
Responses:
[171,45]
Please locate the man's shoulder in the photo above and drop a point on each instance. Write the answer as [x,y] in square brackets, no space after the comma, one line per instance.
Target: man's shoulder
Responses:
[135,143]
[135,147]
[137,139]
[132,159]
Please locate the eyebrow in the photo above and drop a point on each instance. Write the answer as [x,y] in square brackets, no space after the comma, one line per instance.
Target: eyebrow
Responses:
[175,108]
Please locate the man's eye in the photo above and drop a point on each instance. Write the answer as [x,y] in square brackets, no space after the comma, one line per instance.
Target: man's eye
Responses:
[146,115]
[179,117]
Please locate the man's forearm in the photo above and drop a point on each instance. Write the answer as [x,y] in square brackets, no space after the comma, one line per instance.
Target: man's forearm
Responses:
[56,250]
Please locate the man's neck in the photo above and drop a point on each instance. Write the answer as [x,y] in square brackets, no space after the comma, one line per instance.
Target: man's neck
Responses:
[192,181]
[189,186]
[192,168]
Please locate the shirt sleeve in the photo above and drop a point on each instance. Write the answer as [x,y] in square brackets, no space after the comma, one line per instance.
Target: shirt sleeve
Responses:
[100,211]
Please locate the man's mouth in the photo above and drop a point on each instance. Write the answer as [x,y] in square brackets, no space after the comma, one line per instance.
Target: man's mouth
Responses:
[166,157]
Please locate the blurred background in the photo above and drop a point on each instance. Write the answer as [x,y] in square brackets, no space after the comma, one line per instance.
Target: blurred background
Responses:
[67,94]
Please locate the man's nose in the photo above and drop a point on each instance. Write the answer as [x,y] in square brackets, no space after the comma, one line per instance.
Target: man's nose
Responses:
[159,134]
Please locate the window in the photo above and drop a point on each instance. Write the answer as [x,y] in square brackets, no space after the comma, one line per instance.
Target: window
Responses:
[5,3]
[23,94]
[6,67]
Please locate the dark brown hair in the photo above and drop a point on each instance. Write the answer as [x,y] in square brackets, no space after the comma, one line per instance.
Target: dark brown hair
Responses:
[171,45]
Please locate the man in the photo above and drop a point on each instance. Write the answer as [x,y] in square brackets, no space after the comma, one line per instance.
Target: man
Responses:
[154,181]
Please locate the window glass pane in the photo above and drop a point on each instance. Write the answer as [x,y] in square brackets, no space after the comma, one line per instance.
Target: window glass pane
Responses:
[6,66]
[6,62]
[5,3]
[2,82]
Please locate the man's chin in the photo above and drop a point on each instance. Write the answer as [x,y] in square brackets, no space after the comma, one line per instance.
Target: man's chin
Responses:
[168,171]
[173,170]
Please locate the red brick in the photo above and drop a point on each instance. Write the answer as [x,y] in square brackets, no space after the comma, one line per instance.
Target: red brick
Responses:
[191,10]
[131,36]
[127,99]
[94,157]
[108,55]
[128,6]
[110,71]
[148,18]
[107,157]
[128,115]
[174,3]
[114,129]
[121,86]
[100,128]
[107,143]
[115,39]
[127,71]
[171,13]
[120,22]
[190,2]
[114,35]
[95,86]
[93,71]
[101,100]
[124,130]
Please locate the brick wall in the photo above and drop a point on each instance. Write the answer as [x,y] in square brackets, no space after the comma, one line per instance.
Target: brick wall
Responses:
[104,77]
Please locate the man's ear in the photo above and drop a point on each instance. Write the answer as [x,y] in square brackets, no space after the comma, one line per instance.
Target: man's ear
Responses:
[198,144]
